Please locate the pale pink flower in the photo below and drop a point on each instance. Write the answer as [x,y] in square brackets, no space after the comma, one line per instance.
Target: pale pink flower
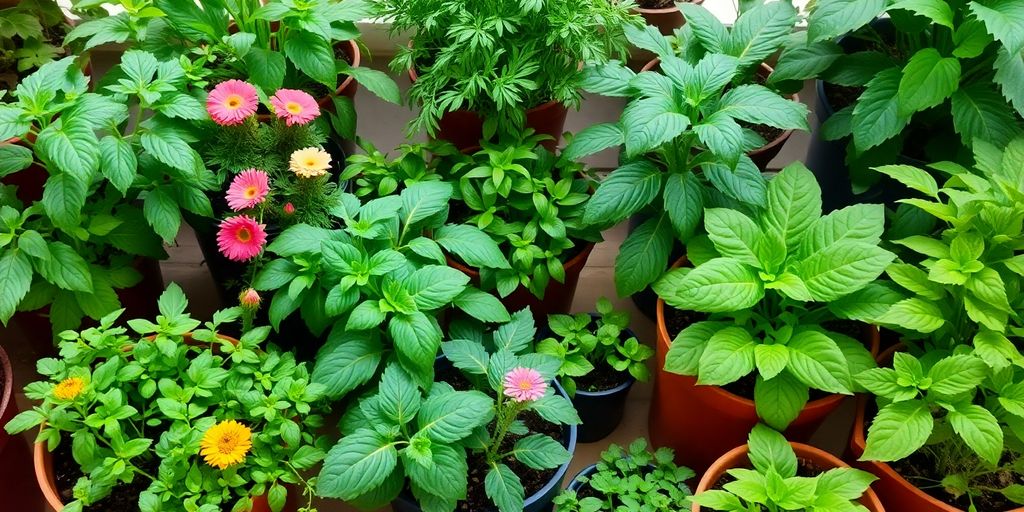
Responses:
[289,209]
[241,238]
[231,102]
[249,188]
[524,384]
[295,107]
[249,298]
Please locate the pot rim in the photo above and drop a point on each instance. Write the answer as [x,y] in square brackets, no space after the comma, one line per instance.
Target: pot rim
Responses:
[764,69]
[630,380]
[803,451]
[355,55]
[7,399]
[736,400]
[664,10]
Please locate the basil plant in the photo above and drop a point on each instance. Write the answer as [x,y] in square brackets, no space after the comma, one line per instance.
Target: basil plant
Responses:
[768,282]
[684,149]
[378,283]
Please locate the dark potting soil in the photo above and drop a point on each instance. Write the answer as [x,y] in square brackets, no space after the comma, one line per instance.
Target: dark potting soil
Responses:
[768,133]
[841,96]
[676,320]
[849,328]
[657,4]
[601,378]
[123,498]
[532,479]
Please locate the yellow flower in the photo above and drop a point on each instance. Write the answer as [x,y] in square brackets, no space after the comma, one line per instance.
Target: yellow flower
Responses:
[225,444]
[310,162]
[69,388]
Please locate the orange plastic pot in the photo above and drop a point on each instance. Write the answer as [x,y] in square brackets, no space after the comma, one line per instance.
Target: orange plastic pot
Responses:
[763,155]
[465,128]
[737,458]
[666,19]
[702,422]
[895,491]
[349,86]
[557,297]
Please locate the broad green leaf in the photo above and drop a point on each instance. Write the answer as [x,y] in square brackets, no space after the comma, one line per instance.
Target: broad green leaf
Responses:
[347,361]
[855,223]
[448,474]
[683,199]
[832,18]
[466,355]
[358,463]
[422,200]
[266,67]
[771,359]
[711,74]
[503,487]
[842,268]
[643,256]
[594,139]
[719,285]
[980,430]
[916,314]
[688,347]
[399,397]
[723,136]
[916,280]
[654,132]
[312,55]
[936,10]
[744,183]
[1004,19]
[770,451]
[162,213]
[610,79]
[434,286]
[471,245]
[451,417]
[876,117]
[1010,77]
[13,158]
[928,79]
[794,202]
[481,305]
[957,374]
[118,162]
[818,362]
[169,148]
[648,38]
[759,105]
[735,235]
[981,113]
[72,148]
[626,190]
[377,82]
[912,177]
[516,335]
[706,27]
[728,356]
[417,339]
[898,430]
[760,32]
[804,62]
[15,281]
[539,451]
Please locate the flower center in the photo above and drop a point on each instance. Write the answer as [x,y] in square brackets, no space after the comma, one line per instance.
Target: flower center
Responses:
[525,386]
[233,102]
[250,192]
[310,162]
[244,235]
[293,107]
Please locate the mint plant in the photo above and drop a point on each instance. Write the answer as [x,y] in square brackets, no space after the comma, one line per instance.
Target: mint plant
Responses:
[500,60]
[30,36]
[378,283]
[684,149]
[963,415]
[964,277]
[633,478]
[943,61]
[402,437]
[377,175]
[145,403]
[773,483]
[775,279]
[115,188]
[583,342]
[531,203]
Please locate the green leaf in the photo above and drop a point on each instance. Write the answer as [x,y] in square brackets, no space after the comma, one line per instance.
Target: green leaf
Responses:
[357,464]
[687,348]
[399,397]
[876,117]
[770,451]
[735,235]
[957,374]
[539,451]
[760,105]
[516,335]
[182,106]
[467,355]
[1004,19]
[728,356]
[169,148]
[424,199]
[917,314]
[936,10]
[804,62]
[556,409]
[723,136]
[503,487]
[610,79]
[980,430]
[928,79]
[162,213]
[794,202]
[912,177]
[711,74]
[451,417]
[744,183]
[832,18]
[706,27]
[760,32]
[14,158]
[771,359]
[594,139]
[266,68]
[684,202]
[72,148]
[347,361]
[898,430]
[118,162]
[63,199]
[643,256]
[916,280]
[299,239]
[471,245]
[417,339]
[718,500]
[626,190]
[855,223]
[842,268]
[779,400]
[1010,77]
[434,286]
[313,56]
[377,82]
[653,132]
[481,305]
[15,281]
[817,361]
[648,38]
[447,476]
[981,113]
[719,285]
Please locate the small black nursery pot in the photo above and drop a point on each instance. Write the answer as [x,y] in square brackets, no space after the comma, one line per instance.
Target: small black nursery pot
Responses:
[601,411]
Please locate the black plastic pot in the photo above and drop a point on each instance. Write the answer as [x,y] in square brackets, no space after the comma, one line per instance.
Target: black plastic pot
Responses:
[601,411]
[540,501]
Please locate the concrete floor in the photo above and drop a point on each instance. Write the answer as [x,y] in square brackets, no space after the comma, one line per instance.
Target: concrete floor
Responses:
[382,123]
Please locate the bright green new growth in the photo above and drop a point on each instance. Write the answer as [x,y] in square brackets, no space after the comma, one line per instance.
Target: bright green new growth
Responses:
[149,396]
[500,59]
[532,204]
[634,479]
[375,175]
[402,437]
[966,284]
[770,281]
[584,342]
[773,485]
[685,148]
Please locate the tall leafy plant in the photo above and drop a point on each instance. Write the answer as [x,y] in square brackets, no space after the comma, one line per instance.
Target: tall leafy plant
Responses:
[769,283]
[684,150]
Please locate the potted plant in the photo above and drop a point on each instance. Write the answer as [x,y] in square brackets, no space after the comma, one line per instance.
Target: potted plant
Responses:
[601,359]
[482,68]
[921,84]
[114,189]
[375,174]
[32,36]
[770,473]
[531,203]
[952,393]
[172,414]
[665,15]
[756,331]
[377,283]
[683,149]
[632,477]
[494,432]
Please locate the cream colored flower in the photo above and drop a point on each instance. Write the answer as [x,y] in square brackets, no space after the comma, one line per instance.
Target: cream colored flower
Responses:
[310,162]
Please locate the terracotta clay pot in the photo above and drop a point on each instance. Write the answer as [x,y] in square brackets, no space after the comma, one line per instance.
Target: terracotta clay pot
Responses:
[737,458]
[894,490]
[702,422]
[465,129]
[761,156]
[557,297]
[667,19]
[8,407]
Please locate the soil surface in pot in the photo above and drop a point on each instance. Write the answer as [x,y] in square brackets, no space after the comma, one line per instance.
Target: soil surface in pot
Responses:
[768,133]
[921,471]
[123,498]
[676,320]
[532,479]
[602,378]
[841,96]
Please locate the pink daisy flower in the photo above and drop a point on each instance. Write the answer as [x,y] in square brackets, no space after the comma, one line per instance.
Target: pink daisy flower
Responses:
[231,102]
[295,107]
[524,384]
[249,188]
[241,238]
